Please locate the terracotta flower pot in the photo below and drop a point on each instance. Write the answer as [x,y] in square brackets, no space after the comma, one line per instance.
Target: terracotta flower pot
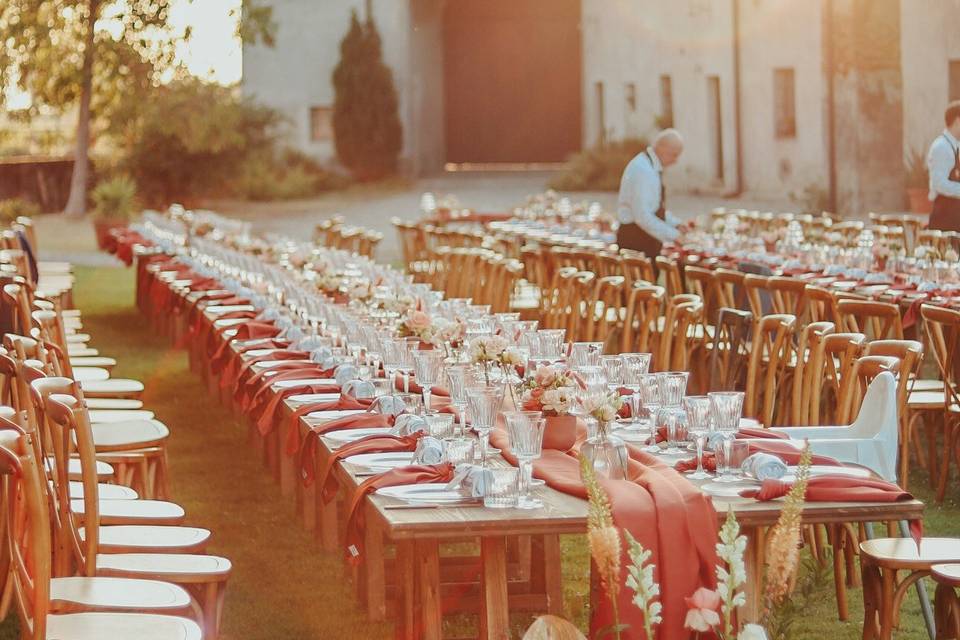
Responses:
[103,227]
[560,432]
[919,200]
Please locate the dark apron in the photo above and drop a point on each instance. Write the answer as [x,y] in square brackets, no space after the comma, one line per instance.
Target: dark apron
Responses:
[946,210]
[632,236]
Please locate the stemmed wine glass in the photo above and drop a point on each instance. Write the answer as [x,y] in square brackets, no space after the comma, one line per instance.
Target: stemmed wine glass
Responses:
[613,369]
[457,380]
[698,425]
[427,366]
[635,366]
[650,393]
[484,403]
[726,407]
[671,416]
[525,429]
[405,349]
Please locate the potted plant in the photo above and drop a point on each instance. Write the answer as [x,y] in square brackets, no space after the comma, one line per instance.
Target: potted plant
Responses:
[918,183]
[114,204]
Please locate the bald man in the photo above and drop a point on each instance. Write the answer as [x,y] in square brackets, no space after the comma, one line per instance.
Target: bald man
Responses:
[645,223]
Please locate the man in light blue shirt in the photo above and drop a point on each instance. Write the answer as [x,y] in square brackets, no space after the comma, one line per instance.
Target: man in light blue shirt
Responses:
[645,223]
[943,163]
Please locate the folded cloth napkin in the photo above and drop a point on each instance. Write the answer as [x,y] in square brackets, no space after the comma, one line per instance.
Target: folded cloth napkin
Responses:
[471,480]
[429,450]
[230,378]
[218,364]
[355,421]
[840,489]
[261,396]
[344,373]
[344,403]
[388,405]
[321,354]
[270,410]
[404,475]
[407,423]
[292,334]
[370,444]
[245,393]
[764,466]
[788,454]
[207,332]
[361,389]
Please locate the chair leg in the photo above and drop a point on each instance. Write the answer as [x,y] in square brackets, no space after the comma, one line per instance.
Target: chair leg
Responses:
[872,599]
[839,579]
[949,434]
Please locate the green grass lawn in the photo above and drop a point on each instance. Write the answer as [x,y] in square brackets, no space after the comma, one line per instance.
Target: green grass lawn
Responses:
[283,586]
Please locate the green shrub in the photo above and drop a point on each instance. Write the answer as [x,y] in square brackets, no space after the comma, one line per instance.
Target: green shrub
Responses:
[13,208]
[292,175]
[599,168]
[115,199]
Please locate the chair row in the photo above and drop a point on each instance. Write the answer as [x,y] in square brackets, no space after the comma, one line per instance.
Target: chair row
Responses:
[335,234]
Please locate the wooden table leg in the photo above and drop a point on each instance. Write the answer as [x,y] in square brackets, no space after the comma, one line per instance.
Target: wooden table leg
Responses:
[373,566]
[494,617]
[753,563]
[428,575]
[406,591]
[545,571]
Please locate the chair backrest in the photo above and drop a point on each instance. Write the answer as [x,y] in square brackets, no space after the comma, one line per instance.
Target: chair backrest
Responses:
[770,350]
[910,354]
[838,353]
[731,350]
[703,282]
[27,532]
[943,331]
[878,320]
[581,313]
[865,369]
[644,302]
[809,359]
[789,296]
[676,344]
[672,275]
[730,288]
[561,297]
[757,295]
[822,305]
[636,267]
[605,314]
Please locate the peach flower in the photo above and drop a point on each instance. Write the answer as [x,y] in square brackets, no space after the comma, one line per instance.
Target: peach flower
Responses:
[702,615]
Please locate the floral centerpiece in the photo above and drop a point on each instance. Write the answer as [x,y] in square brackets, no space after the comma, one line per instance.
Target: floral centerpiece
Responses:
[605,451]
[329,283]
[494,351]
[550,390]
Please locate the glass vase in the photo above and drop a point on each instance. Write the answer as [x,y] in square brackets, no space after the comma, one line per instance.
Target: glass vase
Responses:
[606,453]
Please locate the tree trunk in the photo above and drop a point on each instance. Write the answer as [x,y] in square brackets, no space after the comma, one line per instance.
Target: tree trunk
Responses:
[77,202]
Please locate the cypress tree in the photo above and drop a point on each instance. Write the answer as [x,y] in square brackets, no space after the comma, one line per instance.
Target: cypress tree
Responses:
[366,125]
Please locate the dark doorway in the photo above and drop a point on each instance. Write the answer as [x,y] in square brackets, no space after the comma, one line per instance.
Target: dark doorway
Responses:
[512,80]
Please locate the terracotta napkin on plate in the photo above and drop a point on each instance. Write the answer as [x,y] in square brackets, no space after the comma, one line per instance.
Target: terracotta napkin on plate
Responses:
[370,444]
[345,402]
[269,411]
[308,448]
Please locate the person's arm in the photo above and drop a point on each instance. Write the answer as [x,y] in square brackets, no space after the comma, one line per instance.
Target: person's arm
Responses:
[646,203]
[940,163]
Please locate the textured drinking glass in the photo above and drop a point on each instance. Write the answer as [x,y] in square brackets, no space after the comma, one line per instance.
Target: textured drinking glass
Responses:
[673,386]
[585,354]
[698,426]
[412,402]
[440,425]
[551,343]
[484,403]
[501,488]
[593,379]
[613,369]
[457,383]
[525,429]
[427,366]
[635,366]
[461,450]
[726,407]
[382,386]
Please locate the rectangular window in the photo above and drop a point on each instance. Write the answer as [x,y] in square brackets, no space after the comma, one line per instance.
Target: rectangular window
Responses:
[784,104]
[601,114]
[954,88]
[665,121]
[321,124]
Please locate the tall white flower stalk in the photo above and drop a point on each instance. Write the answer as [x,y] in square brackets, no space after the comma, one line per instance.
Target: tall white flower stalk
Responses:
[731,572]
[640,581]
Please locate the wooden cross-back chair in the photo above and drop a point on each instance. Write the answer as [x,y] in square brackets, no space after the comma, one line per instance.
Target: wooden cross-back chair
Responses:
[865,369]
[730,288]
[835,357]
[770,350]
[604,319]
[910,355]
[808,364]
[557,303]
[822,305]
[943,332]
[675,343]
[637,267]
[672,274]
[877,320]
[580,312]
[73,607]
[788,295]
[644,302]
[730,352]
[703,282]
[757,295]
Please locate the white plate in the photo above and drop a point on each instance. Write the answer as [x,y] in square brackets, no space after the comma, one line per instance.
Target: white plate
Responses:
[828,470]
[727,489]
[382,461]
[229,322]
[286,384]
[325,416]
[269,364]
[314,397]
[426,493]
[633,435]
[349,435]
[256,353]
[227,308]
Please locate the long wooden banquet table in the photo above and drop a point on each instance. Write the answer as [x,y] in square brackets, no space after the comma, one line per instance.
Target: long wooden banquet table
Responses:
[519,562]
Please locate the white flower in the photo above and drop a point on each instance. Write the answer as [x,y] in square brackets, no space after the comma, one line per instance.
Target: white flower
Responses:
[602,406]
[752,632]
[512,356]
[487,348]
[556,400]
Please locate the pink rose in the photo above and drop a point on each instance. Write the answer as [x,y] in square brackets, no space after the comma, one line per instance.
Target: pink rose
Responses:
[545,376]
[702,615]
[418,320]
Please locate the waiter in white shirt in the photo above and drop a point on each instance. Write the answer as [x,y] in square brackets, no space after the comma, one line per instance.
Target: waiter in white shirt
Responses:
[645,223]
[943,163]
